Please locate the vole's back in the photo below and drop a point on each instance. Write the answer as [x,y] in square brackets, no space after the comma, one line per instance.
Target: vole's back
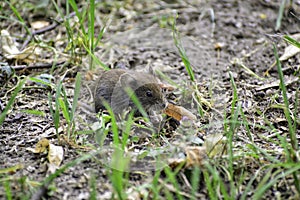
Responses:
[105,87]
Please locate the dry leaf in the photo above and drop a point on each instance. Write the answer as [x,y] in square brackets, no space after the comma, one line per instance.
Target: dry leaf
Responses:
[195,156]
[290,50]
[9,47]
[215,144]
[287,81]
[40,147]
[55,155]
[29,55]
[39,24]
[179,113]
[175,162]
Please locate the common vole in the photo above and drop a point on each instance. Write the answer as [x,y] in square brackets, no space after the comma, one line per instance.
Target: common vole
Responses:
[112,87]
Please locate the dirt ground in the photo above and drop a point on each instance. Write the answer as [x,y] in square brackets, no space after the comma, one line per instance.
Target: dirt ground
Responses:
[220,37]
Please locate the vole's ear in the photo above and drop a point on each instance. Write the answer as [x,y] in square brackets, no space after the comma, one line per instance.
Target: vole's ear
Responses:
[127,79]
[150,70]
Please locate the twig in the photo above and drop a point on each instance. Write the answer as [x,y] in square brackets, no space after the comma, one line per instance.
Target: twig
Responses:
[37,32]
[45,29]
[36,66]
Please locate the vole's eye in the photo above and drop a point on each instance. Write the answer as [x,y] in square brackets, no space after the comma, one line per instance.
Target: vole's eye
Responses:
[149,93]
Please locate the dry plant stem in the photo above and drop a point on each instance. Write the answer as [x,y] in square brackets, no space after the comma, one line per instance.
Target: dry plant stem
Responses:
[185,179]
[36,66]
[266,73]
[240,63]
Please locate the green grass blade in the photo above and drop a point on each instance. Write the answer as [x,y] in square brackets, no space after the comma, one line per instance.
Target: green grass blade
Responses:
[250,183]
[66,23]
[66,104]
[209,185]
[195,181]
[246,124]
[75,8]
[91,25]
[50,97]
[93,190]
[91,31]
[40,81]
[34,112]
[76,95]
[287,113]
[64,109]
[126,132]
[56,112]
[214,183]
[114,125]
[280,15]
[7,190]
[171,177]
[155,186]
[15,11]
[183,55]
[119,164]
[262,188]
[292,132]
[137,103]
[79,14]
[104,66]
[233,126]
[292,41]
[100,36]
[11,100]
[296,107]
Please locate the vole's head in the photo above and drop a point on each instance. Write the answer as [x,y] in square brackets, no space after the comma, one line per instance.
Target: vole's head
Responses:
[146,88]
[150,95]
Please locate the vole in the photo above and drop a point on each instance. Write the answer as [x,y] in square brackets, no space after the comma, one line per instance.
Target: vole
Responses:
[117,86]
